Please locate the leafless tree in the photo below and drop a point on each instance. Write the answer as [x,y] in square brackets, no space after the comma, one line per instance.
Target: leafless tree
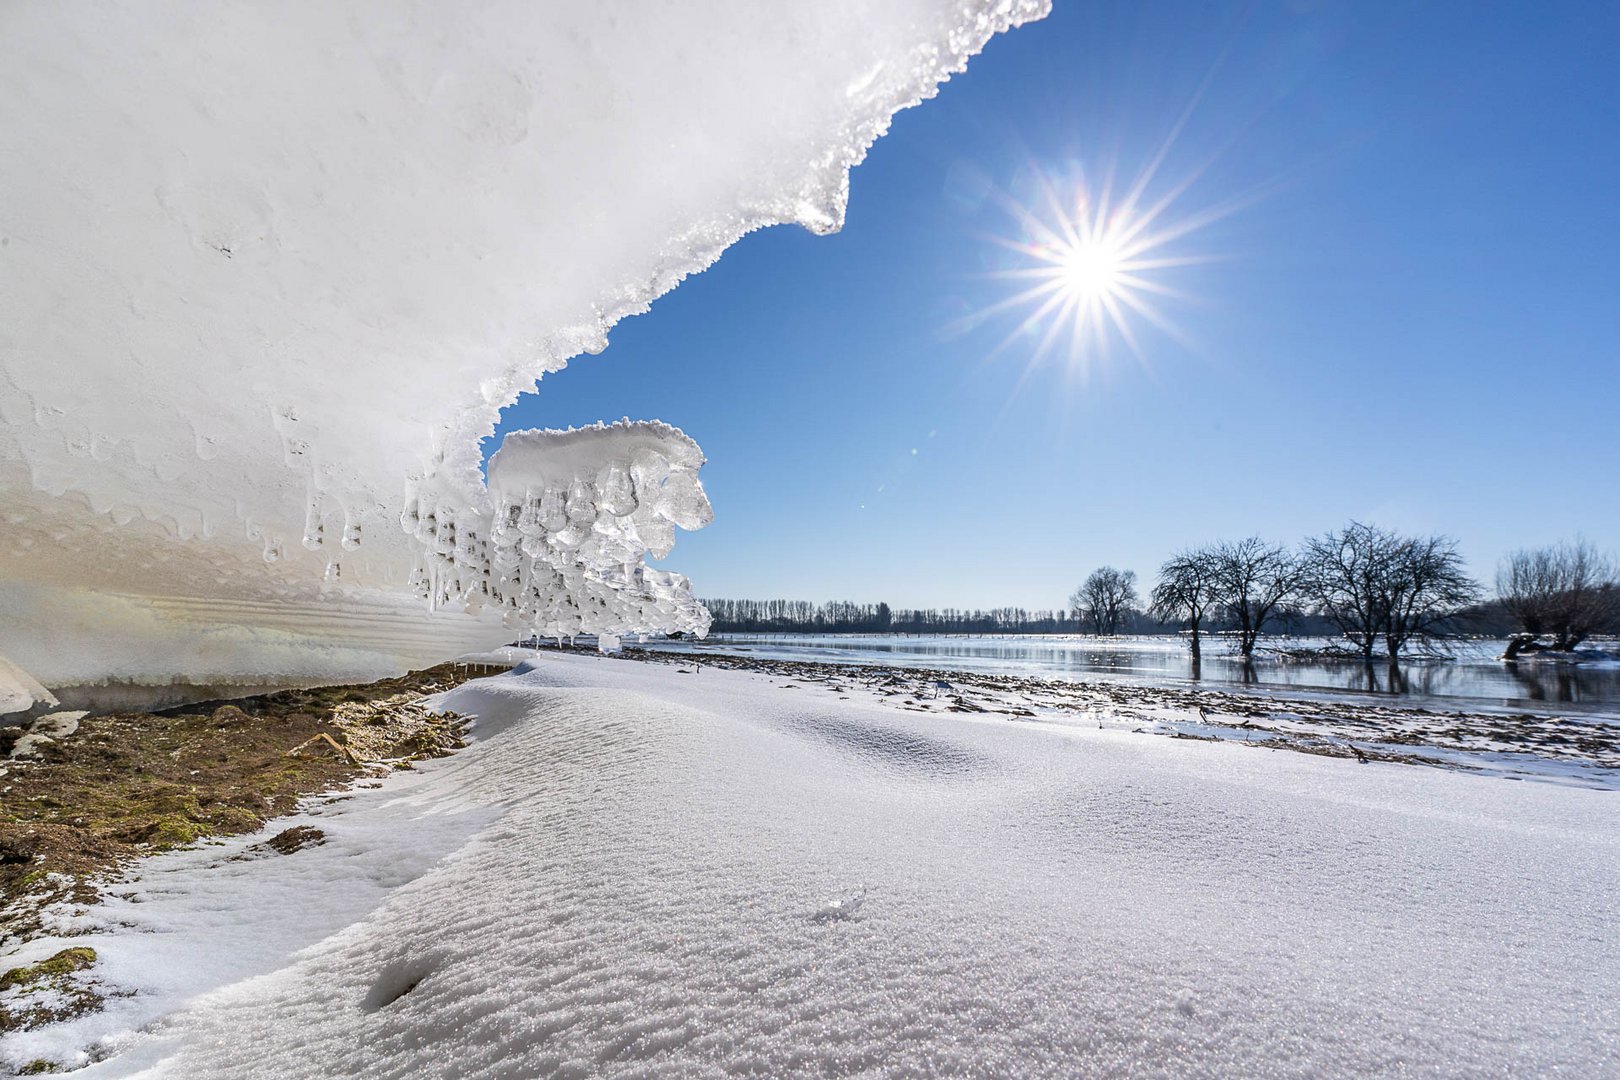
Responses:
[1371,582]
[1566,592]
[1427,585]
[1186,592]
[1343,577]
[1106,598]
[1252,579]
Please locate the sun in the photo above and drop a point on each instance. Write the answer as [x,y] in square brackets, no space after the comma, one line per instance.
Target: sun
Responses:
[1090,270]
[1091,264]
[1094,265]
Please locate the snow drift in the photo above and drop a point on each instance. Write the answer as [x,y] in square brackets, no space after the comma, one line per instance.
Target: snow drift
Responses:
[620,878]
[269,273]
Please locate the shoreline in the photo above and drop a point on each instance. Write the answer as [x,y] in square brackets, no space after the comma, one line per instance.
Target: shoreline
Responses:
[1270,663]
[1519,745]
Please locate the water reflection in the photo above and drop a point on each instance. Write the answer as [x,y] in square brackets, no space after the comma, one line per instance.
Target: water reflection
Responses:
[1547,682]
[1474,675]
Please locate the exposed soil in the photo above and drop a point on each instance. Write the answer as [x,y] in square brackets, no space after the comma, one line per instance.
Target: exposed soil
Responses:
[120,786]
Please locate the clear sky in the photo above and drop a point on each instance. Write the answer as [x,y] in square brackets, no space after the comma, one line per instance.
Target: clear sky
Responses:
[1414,318]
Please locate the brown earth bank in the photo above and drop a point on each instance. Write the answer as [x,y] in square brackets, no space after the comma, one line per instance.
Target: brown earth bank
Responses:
[86,796]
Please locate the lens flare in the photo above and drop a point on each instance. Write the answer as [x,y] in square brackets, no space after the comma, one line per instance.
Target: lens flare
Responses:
[1093,265]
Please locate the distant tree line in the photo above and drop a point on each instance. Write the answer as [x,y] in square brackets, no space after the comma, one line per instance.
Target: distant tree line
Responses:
[1379,591]
[845,617]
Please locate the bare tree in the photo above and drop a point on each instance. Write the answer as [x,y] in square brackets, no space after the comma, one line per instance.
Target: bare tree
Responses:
[1371,582]
[1107,596]
[1252,579]
[1566,592]
[1185,592]
[1427,586]
[1343,577]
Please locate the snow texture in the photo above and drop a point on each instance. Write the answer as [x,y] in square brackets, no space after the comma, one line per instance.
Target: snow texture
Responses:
[268,274]
[641,871]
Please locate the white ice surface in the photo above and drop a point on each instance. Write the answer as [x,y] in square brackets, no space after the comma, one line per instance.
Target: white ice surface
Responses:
[644,862]
[268,273]
[19,690]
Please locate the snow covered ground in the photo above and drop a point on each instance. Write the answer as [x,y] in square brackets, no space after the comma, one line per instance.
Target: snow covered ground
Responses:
[642,870]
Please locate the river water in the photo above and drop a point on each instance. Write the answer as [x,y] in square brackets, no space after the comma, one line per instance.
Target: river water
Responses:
[1471,677]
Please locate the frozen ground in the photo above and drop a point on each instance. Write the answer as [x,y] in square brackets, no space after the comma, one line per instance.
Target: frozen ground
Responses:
[642,870]
[1546,745]
[1471,675]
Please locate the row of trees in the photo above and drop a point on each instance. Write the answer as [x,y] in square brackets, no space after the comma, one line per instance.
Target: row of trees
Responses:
[844,617]
[1369,584]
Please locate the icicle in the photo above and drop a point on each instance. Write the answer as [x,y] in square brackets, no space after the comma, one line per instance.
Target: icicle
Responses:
[617,492]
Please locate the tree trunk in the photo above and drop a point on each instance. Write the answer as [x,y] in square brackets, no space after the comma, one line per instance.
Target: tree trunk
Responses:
[1517,644]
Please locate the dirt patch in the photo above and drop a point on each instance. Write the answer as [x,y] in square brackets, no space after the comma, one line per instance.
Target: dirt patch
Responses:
[63,963]
[294,839]
[125,785]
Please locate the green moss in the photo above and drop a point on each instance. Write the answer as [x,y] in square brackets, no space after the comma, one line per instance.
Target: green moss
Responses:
[63,963]
[37,1067]
[175,830]
[233,819]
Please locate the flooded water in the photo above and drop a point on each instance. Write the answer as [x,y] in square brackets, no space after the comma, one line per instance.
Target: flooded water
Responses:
[1473,677]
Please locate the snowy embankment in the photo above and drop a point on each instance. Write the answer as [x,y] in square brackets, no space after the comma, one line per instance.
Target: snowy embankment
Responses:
[629,873]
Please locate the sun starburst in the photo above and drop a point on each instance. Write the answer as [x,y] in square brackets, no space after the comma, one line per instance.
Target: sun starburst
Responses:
[1094,265]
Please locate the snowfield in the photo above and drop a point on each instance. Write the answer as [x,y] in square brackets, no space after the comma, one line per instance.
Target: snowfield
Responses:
[642,871]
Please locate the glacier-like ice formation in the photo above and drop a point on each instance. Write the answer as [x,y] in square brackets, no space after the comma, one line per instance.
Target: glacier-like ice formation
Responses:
[571,515]
[265,271]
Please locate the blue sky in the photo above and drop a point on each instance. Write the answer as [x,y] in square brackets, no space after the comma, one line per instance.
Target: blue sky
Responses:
[1413,319]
